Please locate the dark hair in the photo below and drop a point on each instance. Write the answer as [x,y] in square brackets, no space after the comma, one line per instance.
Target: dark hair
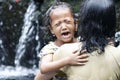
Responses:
[97,24]
[46,19]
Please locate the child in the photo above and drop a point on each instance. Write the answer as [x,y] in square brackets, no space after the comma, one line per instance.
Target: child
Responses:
[63,26]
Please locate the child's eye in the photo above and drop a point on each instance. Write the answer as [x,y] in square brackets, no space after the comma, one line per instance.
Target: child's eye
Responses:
[68,21]
[57,25]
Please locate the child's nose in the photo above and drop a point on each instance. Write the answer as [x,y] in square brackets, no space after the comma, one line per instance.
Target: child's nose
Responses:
[64,26]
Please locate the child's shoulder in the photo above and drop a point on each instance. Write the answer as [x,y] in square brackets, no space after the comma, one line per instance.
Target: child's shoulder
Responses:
[50,45]
[50,48]
[71,44]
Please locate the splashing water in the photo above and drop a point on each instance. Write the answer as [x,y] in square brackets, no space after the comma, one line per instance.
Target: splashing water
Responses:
[11,72]
[30,35]
[29,44]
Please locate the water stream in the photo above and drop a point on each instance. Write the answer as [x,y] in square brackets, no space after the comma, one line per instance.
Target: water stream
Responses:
[26,59]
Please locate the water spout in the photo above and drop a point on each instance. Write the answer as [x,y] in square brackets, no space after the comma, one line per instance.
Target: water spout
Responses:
[29,42]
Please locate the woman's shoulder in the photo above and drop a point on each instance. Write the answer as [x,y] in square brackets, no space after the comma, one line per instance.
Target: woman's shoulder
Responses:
[118,47]
[70,46]
[112,50]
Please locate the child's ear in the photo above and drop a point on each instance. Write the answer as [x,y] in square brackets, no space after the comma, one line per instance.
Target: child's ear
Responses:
[51,30]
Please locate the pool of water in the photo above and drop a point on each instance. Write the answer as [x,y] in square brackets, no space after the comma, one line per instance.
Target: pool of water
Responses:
[17,73]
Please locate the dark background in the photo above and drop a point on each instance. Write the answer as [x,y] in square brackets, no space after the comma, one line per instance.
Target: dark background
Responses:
[12,13]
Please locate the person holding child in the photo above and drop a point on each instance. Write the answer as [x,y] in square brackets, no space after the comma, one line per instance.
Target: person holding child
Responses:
[97,30]
[62,25]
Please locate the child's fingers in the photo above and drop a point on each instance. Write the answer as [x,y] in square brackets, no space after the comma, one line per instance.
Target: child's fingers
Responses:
[76,52]
[83,60]
[79,64]
[82,56]
[83,51]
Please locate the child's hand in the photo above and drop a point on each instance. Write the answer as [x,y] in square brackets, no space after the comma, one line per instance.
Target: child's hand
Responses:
[77,58]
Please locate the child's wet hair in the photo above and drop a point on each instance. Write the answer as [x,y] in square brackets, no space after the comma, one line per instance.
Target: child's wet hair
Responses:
[46,19]
[57,4]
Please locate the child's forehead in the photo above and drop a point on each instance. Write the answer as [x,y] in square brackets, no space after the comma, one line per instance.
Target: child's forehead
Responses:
[60,9]
[61,12]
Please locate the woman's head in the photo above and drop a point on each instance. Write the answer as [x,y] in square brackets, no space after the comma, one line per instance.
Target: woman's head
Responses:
[60,20]
[98,22]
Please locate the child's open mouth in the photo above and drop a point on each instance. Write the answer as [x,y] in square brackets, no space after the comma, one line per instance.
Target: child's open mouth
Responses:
[66,34]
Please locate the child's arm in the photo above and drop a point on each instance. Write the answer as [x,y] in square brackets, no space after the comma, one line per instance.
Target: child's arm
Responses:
[48,65]
[47,76]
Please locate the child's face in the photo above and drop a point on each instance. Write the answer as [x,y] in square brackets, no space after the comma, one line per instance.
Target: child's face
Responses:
[63,25]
